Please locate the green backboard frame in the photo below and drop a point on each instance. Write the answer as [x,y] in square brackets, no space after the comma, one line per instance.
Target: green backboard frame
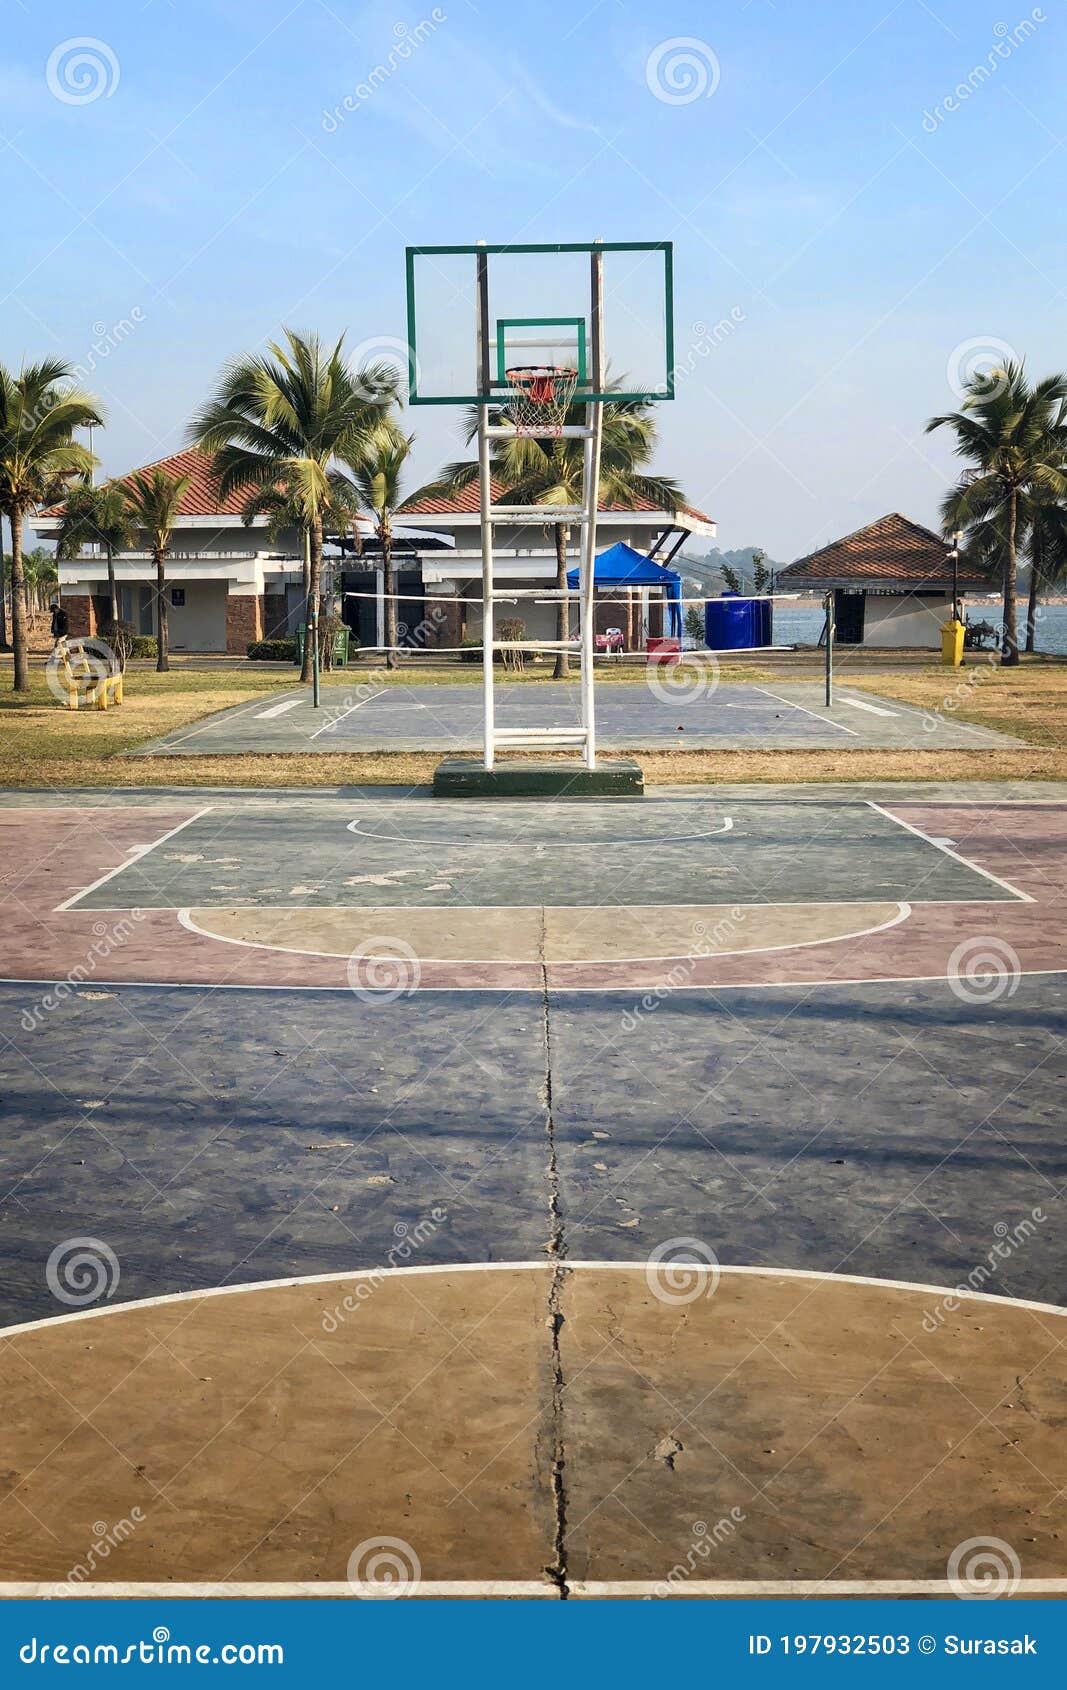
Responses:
[447,289]
[503,324]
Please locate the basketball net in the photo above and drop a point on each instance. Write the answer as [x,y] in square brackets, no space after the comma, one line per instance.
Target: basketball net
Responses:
[539,396]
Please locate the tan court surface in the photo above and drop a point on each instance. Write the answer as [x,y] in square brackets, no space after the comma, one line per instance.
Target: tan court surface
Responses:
[543,934]
[766,1427]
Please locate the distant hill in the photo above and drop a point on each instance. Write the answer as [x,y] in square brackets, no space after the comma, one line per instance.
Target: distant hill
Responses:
[740,560]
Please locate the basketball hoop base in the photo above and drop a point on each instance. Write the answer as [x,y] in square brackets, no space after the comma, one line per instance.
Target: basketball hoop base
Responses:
[467,777]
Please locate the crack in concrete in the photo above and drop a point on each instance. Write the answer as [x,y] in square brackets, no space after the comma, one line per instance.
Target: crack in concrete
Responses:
[557,1251]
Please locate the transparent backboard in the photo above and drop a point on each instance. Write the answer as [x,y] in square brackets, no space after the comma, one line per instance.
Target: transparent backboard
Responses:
[474,312]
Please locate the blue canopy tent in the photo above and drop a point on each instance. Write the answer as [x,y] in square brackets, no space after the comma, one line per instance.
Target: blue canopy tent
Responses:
[621,566]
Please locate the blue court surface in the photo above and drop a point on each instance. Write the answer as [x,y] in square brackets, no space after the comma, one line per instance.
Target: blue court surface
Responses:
[685,706]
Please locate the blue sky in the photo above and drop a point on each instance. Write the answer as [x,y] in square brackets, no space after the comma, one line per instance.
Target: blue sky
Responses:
[862,241]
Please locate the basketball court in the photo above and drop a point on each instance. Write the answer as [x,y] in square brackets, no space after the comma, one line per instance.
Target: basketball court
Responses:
[684,709]
[550,1199]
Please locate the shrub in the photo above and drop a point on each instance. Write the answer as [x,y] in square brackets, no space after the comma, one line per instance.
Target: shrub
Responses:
[122,637]
[471,651]
[273,651]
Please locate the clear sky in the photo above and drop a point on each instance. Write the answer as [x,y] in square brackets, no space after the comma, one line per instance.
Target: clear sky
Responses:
[862,229]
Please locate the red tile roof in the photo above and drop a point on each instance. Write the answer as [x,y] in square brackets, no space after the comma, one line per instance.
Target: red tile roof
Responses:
[466,503]
[201,497]
[894,550]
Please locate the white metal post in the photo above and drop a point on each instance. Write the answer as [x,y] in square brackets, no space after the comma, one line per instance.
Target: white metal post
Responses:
[488,617]
[594,422]
[594,416]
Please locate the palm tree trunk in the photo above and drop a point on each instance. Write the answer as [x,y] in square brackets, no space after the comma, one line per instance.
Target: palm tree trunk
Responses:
[563,608]
[386,533]
[112,589]
[1010,650]
[162,629]
[3,589]
[315,563]
[1035,579]
[305,663]
[18,605]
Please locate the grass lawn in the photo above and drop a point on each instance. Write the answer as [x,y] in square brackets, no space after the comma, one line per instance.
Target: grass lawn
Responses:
[42,745]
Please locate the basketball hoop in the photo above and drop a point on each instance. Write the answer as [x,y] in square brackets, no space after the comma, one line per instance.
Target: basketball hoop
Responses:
[539,396]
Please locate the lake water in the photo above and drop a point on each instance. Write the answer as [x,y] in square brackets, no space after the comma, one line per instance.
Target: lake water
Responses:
[803,625]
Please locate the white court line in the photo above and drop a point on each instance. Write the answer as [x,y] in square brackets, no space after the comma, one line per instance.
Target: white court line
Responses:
[861,704]
[186,919]
[788,702]
[134,857]
[335,719]
[653,840]
[511,1588]
[940,845]
[278,709]
[544,1265]
[713,987]
[216,720]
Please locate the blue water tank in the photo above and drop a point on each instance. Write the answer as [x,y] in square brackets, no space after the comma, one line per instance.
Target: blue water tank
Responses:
[732,623]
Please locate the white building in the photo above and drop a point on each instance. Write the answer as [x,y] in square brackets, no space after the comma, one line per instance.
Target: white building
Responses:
[892,583]
[227,585]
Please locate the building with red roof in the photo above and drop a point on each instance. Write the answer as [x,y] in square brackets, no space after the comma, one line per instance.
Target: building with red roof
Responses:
[228,584]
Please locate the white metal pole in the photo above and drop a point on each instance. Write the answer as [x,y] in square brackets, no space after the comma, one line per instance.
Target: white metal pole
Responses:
[594,416]
[594,420]
[488,618]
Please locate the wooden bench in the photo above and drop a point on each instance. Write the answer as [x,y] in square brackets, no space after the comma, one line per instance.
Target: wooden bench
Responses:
[81,681]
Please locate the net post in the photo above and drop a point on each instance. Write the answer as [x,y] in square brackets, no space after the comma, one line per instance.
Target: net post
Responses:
[594,418]
[829,606]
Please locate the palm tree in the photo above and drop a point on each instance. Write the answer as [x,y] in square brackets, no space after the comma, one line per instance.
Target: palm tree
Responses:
[284,513]
[97,516]
[1015,439]
[41,577]
[284,418]
[152,499]
[376,476]
[550,472]
[1048,556]
[39,410]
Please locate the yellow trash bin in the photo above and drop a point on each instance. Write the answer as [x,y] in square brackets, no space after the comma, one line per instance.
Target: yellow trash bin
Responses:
[952,643]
